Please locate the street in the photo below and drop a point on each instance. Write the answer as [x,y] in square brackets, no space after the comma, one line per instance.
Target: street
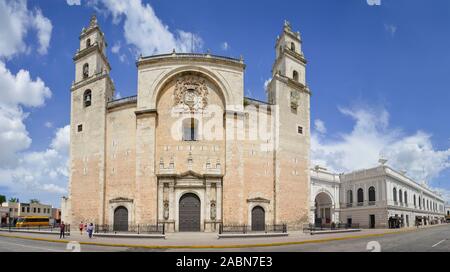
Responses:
[435,239]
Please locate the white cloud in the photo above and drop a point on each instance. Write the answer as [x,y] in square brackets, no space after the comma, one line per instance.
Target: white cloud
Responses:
[370,138]
[16,20]
[73,2]
[319,126]
[373,2]
[225,46]
[41,172]
[44,31]
[266,83]
[116,47]
[144,30]
[16,92]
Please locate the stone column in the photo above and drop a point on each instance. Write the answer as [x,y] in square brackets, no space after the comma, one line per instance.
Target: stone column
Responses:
[146,181]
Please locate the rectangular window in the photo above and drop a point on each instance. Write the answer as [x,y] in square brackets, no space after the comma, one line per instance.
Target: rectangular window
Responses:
[80,128]
[34,210]
[39,210]
[300,130]
[28,209]
[23,209]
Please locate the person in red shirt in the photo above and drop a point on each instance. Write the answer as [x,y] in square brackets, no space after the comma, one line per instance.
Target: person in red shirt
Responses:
[81,228]
[62,230]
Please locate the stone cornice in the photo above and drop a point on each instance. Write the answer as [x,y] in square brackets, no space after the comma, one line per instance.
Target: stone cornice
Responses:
[189,58]
[258,200]
[189,174]
[140,113]
[89,30]
[121,200]
[293,84]
[90,80]
[95,47]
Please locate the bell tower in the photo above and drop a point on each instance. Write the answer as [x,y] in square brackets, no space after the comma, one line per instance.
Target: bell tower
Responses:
[90,93]
[290,95]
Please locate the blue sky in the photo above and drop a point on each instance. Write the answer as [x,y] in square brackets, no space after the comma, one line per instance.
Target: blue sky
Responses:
[379,75]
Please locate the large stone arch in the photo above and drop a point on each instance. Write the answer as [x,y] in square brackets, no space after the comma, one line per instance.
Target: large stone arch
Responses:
[324,207]
[223,86]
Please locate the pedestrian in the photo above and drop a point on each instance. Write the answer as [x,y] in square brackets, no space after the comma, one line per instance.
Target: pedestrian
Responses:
[90,230]
[81,228]
[62,230]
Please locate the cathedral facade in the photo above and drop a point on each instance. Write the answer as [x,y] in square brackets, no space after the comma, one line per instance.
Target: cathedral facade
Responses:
[189,150]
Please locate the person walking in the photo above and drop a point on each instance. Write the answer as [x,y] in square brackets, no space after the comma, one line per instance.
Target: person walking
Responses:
[81,228]
[62,230]
[90,230]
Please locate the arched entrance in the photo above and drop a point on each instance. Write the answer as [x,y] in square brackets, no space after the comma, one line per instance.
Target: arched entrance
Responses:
[189,213]
[121,219]
[258,219]
[324,209]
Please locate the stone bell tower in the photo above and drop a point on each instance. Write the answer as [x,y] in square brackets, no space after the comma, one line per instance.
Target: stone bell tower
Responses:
[90,93]
[290,95]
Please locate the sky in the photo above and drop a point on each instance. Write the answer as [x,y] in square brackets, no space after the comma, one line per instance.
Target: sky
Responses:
[379,72]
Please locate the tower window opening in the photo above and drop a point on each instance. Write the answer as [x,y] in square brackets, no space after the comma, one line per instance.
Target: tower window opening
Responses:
[87,98]
[295,75]
[85,70]
[292,46]
[88,43]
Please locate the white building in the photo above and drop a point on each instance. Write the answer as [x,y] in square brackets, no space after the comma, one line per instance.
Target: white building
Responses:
[379,197]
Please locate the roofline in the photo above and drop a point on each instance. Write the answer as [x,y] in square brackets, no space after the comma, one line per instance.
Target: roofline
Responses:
[192,56]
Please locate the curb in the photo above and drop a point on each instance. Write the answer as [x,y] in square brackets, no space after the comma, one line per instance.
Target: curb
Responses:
[215,246]
[262,235]
[148,236]
[333,231]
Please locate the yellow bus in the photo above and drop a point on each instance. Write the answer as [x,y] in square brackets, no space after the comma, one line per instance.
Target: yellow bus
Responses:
[33,221]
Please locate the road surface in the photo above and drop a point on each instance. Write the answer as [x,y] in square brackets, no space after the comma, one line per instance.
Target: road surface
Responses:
[435,239]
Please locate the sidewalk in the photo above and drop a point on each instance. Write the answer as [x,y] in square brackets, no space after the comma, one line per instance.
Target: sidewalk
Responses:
[209,240]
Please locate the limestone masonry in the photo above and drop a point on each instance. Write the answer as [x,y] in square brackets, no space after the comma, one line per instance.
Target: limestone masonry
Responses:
[189,151]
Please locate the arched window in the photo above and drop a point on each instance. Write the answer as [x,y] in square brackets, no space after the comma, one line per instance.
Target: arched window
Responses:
[292,46]
[372,198]
[394,194]
[295,75]
[190,129]
[350,197]
[406,197]
[360,196]
[85,70]
[88,43]
[415,200]
[87,98]
[400,196]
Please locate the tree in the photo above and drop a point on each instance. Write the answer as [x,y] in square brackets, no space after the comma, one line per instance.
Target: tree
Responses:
[35,201]
[14,199]
[2,199]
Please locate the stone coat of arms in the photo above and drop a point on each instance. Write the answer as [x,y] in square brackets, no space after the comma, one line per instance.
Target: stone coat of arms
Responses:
[191,93]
